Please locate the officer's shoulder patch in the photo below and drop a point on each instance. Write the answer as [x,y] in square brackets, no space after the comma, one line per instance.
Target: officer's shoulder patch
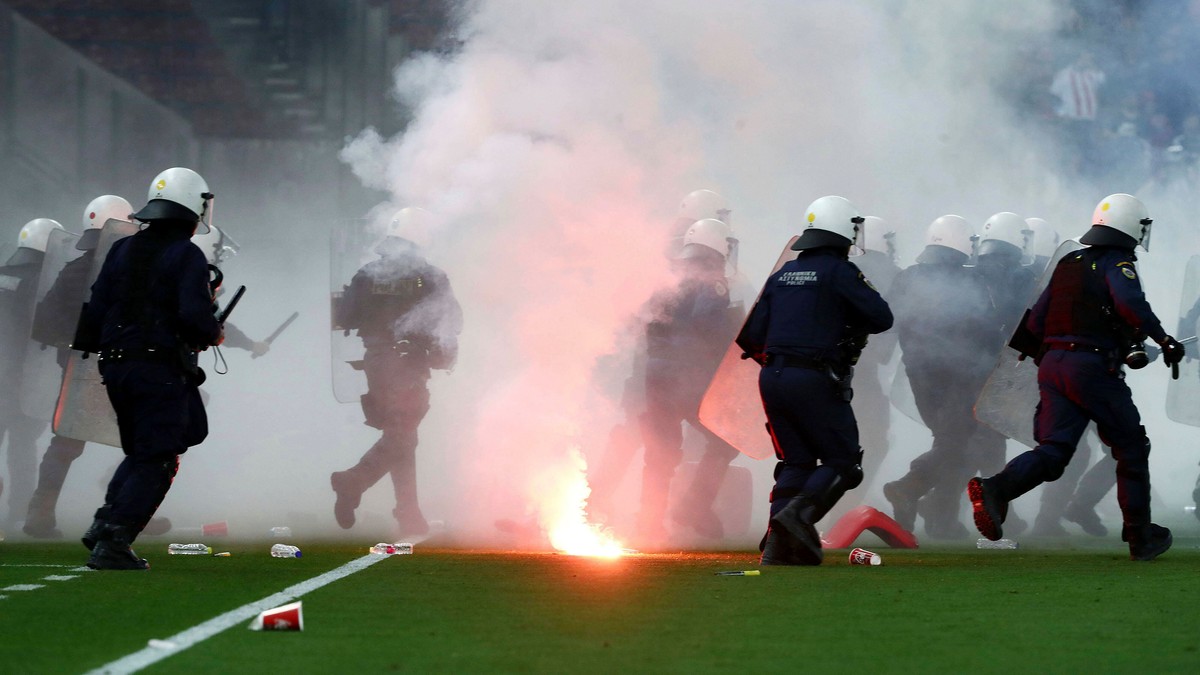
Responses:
[1128,272]
[867,281]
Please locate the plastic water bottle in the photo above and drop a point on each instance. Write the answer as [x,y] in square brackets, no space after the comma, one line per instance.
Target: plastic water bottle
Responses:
[398,548]
[999,544]
[189,549]
[285,551]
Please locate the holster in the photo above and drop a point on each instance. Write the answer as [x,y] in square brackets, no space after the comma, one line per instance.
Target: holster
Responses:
[1025,342]
[372,415]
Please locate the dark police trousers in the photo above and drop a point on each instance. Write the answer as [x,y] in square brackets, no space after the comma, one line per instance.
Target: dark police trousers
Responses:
[159,416]
[1077,387]
[396,402]
[813,429]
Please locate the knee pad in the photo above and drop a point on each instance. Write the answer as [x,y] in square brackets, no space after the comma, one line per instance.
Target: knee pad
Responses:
[852,474]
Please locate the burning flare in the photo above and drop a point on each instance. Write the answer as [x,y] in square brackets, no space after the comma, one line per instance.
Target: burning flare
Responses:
[564,520]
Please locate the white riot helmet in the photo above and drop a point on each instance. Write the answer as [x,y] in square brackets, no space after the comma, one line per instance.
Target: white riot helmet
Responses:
[701,204]
[1005,233]
[1045,238]
[36,233]
[216,245]
[178,194]
[878,236]
[953,232]
[708,233]
[98,212]
[32,240]
[412,224]
[831,221]
[1119,220]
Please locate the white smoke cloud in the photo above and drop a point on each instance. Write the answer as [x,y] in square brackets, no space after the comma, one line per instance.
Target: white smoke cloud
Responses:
[554,143]
[553,146]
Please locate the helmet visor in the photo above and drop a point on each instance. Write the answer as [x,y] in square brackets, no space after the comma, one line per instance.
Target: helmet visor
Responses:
[1145,242]
[206,215]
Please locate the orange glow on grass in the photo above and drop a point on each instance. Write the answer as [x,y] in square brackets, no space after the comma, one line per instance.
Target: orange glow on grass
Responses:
[566,523]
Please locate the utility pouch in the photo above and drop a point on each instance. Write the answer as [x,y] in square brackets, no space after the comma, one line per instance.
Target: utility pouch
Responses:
[372,416]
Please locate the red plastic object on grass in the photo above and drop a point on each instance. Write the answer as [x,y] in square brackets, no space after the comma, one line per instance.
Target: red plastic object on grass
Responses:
[847,529]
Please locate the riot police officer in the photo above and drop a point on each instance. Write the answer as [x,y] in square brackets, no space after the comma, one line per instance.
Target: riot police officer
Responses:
[18,283]
[947,346]
[872,407]
[1003,245]
[685,340]
[54,325]
[409,320]
[150,312]
[806,330]
[1078,330]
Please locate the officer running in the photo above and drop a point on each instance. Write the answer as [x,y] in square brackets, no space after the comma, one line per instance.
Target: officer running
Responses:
[54,325]
[18,286]
[409,320]
[151,310]
[1078,330]
[807,330]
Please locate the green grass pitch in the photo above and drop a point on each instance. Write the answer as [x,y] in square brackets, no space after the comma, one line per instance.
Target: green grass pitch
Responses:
[938,610]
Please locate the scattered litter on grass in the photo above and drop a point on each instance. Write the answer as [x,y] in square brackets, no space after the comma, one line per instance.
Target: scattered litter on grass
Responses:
[998,545]
[23,587]
[861,556]
[398,548]
[60,577]
[222,554]
[284,617]
[739,573]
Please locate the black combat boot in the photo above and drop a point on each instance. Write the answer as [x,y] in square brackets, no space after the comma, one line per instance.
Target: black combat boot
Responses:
[348,498]
[1146,542]
[1085,517]
[96,530]
[113,550]
[795,522]
[40,522]
[989,507]
[779,549]
[904,503]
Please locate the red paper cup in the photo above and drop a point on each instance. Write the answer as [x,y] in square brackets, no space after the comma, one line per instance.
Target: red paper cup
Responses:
[286,617]
[861,556]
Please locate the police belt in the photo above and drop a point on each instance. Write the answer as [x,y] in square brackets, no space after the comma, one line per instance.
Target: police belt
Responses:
[143,354]
[1061,345]
[793,361]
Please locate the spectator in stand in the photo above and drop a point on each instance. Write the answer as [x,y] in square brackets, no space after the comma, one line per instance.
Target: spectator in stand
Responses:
[1077,87]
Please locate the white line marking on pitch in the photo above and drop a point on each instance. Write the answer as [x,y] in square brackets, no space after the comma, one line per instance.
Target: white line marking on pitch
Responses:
[8,565]
[60,577]
[200,632]
[22,587]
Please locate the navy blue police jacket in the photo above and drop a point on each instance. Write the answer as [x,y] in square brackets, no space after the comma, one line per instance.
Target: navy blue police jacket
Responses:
[811,306]
[401,296]
[1072,313]
[178,305]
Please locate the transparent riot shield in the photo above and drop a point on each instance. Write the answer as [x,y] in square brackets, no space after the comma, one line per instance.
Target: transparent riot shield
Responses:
[1183,394]
[901,395]
[1010,394]
[351,247]
[83,411]
[732,407]
[41,373]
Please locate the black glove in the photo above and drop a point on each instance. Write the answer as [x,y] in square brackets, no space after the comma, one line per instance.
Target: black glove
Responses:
[1172,351]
